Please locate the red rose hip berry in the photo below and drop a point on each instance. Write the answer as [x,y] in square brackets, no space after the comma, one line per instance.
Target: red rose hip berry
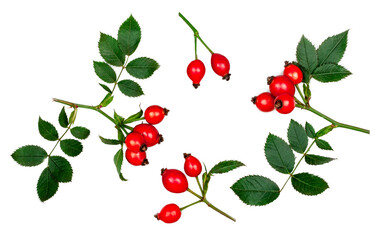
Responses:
[170,213]
[174,180]
[284,103]
[220,65]
[264,102]
[135,142]
[293,72]
[150,134]
[280,84]
[196,71]
[155,114]
[192,166]
[136,158]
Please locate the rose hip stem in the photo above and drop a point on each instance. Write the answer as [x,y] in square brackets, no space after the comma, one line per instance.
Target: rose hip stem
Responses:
[196,34]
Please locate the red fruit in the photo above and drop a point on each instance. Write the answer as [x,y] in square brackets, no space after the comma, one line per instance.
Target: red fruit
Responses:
[135,142]
[136,158]
[264,102]
[196,71]
[170,213]
[150,134]
[155,114]
[281,84]
[192,166]
[284,103]
[293,72]
[220,65]
[174,180]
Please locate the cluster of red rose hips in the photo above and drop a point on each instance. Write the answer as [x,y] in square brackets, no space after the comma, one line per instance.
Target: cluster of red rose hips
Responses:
[219,63]
[282,90]
[176,182]
[144,135]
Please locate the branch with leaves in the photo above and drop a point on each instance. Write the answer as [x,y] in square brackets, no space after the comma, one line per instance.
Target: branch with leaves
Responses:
[115,53]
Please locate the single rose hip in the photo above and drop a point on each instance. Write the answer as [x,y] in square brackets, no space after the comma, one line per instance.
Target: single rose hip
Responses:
[293,72]
[196,71]
[136,158]
[135,142]
[174,180]
[155,114]
[220,65]
[264,102]
[150,134]
[170,213]
[192,166]
[284,103]
[281,84]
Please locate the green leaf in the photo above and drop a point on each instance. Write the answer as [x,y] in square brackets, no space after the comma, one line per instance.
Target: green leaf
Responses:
[322,144]
[279,154]
[118,119]
[47,186]
[311,133]
[306,54]
[80,132]
[105,88]
[324,131]
[110,51]
[134,117]
[130,88]
[142,67]
[47,130]
[104,72]
[63,118]
[60,169]
[256,190]
[206,180]
[330,72]
[129,35]
[297,137]
[225,166]
[332,49]
[308,184]
[73,115]
[317,160]
[107,100]
[71,147]
[306,75]
[118,159]
[109,141]
[29,155]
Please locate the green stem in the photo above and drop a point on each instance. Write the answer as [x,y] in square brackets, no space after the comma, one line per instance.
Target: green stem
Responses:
[200,186]
[119,75]
[59,140]
[196,49]
[300,93]
[189,205]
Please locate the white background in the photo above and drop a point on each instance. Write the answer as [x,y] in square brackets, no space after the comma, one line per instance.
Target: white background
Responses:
[47,49]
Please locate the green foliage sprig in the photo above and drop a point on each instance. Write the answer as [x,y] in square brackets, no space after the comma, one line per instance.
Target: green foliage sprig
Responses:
[115,53]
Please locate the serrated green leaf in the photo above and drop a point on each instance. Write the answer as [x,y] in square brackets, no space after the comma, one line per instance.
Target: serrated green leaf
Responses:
[109,141]
[322,144]
[47,186]
[118,159]
[80,132]
[71,147]
[332,49]
[29,155]
[107,100]
[142,67]
[297,137]
[47,130]
[105,88]
[60,169]
[317,160]
[311,133]
[305,74]
[225,166]
[129,36]
[63,118]
[308,184]
[330,72]
[134,117]
[104,72]
[256,190]
[110,51]
[279,154]
[306,54]
[130,88]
